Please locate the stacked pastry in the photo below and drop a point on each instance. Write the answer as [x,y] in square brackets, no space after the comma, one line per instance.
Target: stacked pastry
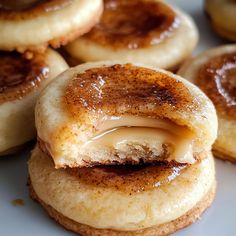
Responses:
[26,65]
[141,31]
[123,150]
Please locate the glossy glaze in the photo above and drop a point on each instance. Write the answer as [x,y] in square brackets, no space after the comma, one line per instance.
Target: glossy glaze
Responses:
[129,178]
[19,76]
[121,89]
[134,24]
[217,78]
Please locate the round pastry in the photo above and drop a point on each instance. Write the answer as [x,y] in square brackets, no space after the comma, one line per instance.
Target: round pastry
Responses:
[214,71]
[124,200]
[21,80]
[107,113]
[142,31]
[33,24]
[222,17]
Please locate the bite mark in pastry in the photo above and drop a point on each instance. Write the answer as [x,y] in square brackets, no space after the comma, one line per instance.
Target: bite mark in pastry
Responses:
[149,32]
[106,113]
[21,80]
[32,25]
[118,200]
[214,71]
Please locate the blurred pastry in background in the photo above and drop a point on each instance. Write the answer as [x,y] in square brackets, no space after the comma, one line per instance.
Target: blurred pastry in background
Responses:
[108,113]
[147,32]
[34,24]
[21,80]
[222,16]
[214,71]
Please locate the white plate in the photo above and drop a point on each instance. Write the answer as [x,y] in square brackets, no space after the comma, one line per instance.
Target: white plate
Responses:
[31,219]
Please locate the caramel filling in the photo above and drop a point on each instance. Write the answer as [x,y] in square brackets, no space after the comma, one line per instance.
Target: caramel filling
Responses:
[217,78]
[134,24]
[19,76]
[27,9]
[130,178]
[117,132]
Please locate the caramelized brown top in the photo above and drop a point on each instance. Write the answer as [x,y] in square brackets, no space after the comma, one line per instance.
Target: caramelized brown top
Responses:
[19,76]
[217,78]
[120,89]
[27,9]
[129,178]
[133,24]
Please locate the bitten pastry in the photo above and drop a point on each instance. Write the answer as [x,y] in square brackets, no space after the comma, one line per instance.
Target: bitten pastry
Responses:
[108,113]
[138,31]
[143,200]
[222,17]
[32,25]
[214,71]
[21,80]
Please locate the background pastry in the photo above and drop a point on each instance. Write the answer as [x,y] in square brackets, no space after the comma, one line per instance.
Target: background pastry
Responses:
[104,113]
[148,32]
[21,80]
[32,25]
[122,200]
[214,71]
[222,17]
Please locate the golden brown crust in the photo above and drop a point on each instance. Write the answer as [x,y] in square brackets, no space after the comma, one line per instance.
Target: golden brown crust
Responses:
[19,76]
[129,178]
[217,79]
[161,230]
[107,89]
[123,27]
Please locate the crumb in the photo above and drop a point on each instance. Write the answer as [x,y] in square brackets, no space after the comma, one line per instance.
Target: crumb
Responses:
[18,202]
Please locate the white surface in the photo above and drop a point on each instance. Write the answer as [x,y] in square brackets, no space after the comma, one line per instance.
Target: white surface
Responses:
[30,219]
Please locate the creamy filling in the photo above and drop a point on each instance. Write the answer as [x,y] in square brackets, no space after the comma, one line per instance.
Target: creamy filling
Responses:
[118,132]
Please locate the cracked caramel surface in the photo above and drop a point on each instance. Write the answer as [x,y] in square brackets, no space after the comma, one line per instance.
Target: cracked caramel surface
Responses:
[217,78]
[19,76]
[28,9]
[134,24]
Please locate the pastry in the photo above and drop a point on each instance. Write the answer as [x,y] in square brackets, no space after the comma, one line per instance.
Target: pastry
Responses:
[147,200]
[138,31]
[21,80]
[221,14]
[109,113]
[34,24]
[214,71]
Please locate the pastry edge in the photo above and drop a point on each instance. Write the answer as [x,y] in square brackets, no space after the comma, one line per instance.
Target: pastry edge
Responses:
[165,229]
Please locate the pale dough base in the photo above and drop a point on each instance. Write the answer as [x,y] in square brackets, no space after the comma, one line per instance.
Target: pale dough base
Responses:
[165,229]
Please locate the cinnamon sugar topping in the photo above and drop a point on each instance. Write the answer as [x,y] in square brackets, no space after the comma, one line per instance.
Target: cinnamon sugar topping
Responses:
[134,24]
[217,78]
[19,76]
[129,178]
[120,89]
